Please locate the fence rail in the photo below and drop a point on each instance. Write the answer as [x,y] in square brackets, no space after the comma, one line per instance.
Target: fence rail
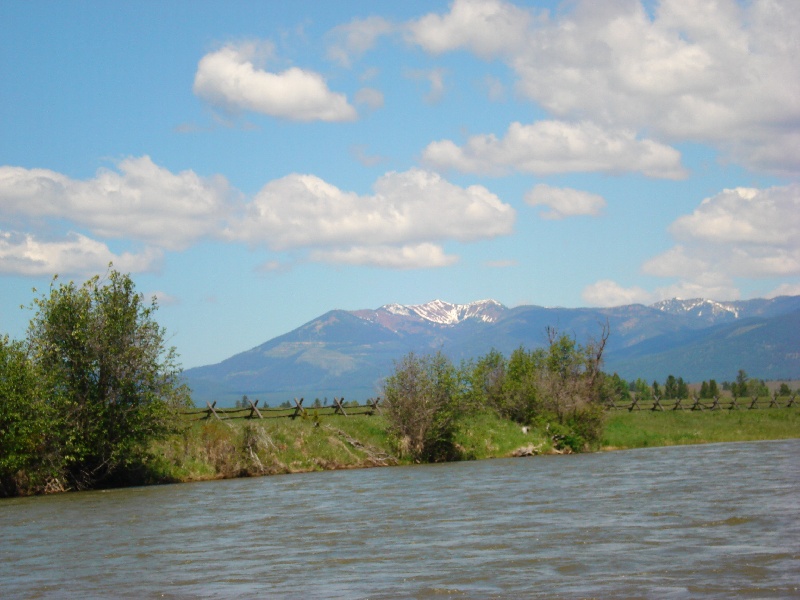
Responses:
[338,407]
[716,403]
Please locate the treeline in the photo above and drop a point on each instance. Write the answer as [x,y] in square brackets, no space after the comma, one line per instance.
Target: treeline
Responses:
[87,391]
[559,389]
[675,388]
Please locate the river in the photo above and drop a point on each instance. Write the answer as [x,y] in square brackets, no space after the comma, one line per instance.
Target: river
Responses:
[714,521]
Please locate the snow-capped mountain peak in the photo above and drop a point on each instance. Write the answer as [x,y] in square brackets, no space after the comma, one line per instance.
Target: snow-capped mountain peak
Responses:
[699,307]
[446,313]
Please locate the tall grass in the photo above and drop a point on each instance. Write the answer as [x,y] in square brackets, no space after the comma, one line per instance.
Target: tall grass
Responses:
[639,429]
[212,449]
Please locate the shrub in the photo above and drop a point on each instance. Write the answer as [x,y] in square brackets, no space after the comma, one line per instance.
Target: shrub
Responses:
[421,402]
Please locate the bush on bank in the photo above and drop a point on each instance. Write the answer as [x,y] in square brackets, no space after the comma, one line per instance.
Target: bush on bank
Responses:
[83,397]
[560,389]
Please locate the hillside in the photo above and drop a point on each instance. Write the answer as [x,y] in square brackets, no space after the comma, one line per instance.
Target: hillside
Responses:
[347,353]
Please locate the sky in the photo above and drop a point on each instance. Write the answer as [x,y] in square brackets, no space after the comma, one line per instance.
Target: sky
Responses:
[254,165]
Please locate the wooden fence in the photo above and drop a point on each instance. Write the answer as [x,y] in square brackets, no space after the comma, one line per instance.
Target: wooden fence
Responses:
[338,407]
[716,403]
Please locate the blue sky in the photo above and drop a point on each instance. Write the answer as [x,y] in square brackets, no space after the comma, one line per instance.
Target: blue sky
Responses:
[256,164]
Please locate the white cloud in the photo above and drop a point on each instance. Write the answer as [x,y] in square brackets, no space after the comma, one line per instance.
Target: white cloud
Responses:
[350,41]
[410,207]
[564,202]
[23,254]
[434,77]
[228,78]
[417,256]
[742,233]
[609,293]
[142,201]
[785,289]
[370,97]
[547,147]
[723,73]
[486,27]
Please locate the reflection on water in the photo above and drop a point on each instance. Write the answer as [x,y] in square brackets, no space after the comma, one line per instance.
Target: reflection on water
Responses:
[684,522]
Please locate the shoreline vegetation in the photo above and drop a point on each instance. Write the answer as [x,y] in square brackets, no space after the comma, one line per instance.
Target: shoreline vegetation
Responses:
[93,398]
[212,449]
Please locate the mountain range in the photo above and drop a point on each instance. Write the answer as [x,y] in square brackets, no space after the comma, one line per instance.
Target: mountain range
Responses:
[348,353]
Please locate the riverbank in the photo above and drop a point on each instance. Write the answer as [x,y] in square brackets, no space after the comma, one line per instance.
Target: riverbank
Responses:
[212,449]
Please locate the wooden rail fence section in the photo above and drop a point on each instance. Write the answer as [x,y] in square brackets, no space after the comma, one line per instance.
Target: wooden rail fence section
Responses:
[716,403]
[371,407]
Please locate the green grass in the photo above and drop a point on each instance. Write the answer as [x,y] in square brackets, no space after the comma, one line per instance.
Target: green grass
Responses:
[212,449]
[486,435]
[639,429]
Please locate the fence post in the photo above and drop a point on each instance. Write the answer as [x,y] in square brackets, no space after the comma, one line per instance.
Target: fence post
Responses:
[791,400]
[254,409]
[678,404]
[715,404]
[298,409]
[697,405]
[733,403]
[211,410]
[338,408]
[374,404]
[753,403]
[656,404]
[634,404]
[774,401]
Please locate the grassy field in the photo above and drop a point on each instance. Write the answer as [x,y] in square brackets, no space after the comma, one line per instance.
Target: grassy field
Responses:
[212,449]
[640,429]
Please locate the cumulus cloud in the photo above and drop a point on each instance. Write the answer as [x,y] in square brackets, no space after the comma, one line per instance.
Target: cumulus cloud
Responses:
[417,256]
[565,202]
[742,233]
[24,254]
[547,147]
[401,225]
[609,293]
[350,41]
[229,78]
[140,201]
[486,27]
[410,207]
[723,73]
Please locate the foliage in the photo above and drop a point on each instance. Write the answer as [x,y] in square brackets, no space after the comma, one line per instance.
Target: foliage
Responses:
[95,385]
[421,403]
[25,419]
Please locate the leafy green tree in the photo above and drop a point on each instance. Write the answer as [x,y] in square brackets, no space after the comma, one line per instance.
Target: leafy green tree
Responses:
[107,374]
[25,422]
[713,389]
[421,405]
[520,394]
[656,389]
[784,390]
[572,386]
[670,388]
[484,380]
[704,393]
[681,388]
[739,388]
[642,390]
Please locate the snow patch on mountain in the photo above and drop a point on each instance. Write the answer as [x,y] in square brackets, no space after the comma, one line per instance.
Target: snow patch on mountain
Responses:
[446,313]
[699,307]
